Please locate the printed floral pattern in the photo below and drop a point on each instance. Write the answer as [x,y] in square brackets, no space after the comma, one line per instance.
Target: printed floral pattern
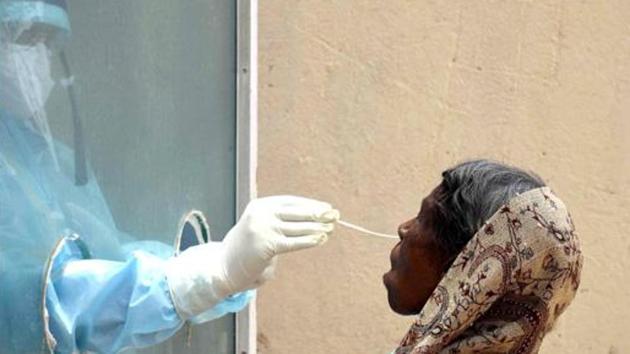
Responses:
[507,286]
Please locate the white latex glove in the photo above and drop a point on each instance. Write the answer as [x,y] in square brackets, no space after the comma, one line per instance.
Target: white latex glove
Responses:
[202,276]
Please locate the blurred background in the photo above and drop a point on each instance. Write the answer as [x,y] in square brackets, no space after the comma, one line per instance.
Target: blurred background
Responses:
[364,104]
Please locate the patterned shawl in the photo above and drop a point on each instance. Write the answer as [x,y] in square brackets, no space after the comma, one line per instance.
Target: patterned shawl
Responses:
[507,286]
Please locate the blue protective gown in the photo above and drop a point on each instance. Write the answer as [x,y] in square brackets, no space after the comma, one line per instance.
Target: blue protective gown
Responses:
[118,298]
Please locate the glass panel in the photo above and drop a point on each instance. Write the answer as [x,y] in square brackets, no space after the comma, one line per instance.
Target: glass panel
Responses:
[155,88]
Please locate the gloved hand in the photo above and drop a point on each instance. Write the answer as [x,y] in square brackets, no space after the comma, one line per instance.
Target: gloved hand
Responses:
[203,275]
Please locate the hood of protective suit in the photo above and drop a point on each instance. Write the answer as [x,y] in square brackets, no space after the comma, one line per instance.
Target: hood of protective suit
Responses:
[24,13]
[508,285]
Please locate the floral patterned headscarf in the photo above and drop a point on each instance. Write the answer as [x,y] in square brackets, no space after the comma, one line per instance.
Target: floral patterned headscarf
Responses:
[508,285]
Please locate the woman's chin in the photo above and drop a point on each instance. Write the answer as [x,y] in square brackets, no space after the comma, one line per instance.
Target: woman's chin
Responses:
[395,302]
[392,297]
[401,310]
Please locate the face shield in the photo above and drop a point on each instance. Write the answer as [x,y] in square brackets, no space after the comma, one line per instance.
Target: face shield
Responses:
[26,82]
[29,32]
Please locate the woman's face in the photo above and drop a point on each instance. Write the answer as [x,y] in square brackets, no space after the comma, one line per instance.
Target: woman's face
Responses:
[418,262]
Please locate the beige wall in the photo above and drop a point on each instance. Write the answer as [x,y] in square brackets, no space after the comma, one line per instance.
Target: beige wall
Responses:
[364,103]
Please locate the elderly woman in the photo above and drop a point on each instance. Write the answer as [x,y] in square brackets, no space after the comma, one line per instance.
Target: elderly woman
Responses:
[488,264]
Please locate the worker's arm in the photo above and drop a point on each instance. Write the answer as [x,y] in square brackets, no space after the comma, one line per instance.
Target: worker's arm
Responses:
[104,306]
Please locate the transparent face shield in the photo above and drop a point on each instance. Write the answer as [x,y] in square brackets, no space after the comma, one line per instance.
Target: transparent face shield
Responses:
[25,77]
[26,47]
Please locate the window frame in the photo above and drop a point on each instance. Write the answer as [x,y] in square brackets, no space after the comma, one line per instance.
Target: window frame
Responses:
[246,143]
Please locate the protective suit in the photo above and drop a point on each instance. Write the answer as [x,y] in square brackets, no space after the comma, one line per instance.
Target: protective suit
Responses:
[70,280]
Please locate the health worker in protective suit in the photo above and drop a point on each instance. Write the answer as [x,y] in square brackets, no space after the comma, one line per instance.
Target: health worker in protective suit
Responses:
[70,281]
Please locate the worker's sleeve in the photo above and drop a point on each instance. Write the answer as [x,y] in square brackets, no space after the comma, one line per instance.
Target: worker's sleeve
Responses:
[105,306]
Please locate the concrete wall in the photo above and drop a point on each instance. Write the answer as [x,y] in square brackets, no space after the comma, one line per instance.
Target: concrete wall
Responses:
[364,103]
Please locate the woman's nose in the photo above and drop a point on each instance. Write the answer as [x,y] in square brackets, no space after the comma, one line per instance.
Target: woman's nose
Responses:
[403,229]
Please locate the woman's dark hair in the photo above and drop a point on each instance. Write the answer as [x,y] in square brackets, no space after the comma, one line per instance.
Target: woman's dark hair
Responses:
[471,193]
